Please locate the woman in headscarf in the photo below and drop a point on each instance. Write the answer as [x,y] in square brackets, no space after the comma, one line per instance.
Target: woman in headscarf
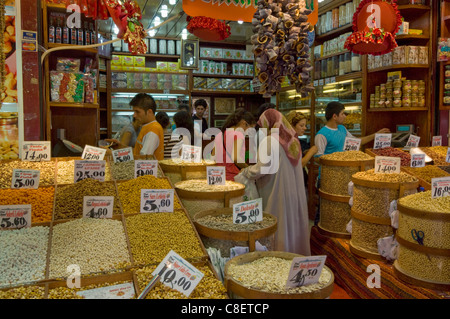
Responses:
[279,178]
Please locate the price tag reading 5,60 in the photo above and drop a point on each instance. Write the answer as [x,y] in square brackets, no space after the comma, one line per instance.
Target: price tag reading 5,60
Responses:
[386,164]
[89,169]
[248,212]
[305,271]
[440,187]
[15,216]
[157,200]
[24,178]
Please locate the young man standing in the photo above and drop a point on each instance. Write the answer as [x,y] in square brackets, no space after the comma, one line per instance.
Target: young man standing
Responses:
[200,107]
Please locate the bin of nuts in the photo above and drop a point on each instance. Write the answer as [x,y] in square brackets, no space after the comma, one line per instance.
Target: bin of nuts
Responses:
[178,170]
[65,170]
[424,240]
[46,169]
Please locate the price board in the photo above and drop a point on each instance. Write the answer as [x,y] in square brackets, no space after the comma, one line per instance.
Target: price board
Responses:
[123,155]
[382,140]
[98,206]
[305,271]
[352,144]
[417,160]
[92,153]
[387,165]
[190,153]
[248,212]
[178,274]
[37,151]
[157,200]
[413,141]
[145,167]
[15,216]
[89,169]
[120,291]
[216,175]
[440,187]
[25,178]
[436,141]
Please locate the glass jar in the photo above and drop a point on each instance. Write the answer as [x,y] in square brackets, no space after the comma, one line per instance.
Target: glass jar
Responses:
[414,87]
[341,64]
[414,100]
[335,65]
[330,69]
[406,100]
[356,62]
[421,101]
[397,102]
[407,87]
[397,83]
[9,136]
[348,62]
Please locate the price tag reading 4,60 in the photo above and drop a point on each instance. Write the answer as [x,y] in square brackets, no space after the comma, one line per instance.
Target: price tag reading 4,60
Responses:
[157,200]
[190,153]
[92,153]
[123,155]
[215,175]
[98,206]
[382,140]
[24,178]
[440,187]
[248,212]
[413,141]
[178,274]
[385,164]
[436,141]
[352,144]
[145,167]
[36,151]
[89,169]
[15,216]
[305,271]
[417,160]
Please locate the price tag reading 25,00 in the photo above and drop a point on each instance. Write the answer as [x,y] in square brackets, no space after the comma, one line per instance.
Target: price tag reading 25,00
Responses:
[382,140]
[89,169]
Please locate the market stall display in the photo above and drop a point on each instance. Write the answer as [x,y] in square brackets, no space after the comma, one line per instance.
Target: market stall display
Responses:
[47,171]
[179,170]
[65,169]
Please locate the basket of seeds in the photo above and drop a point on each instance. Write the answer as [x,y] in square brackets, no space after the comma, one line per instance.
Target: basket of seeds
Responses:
[179,170]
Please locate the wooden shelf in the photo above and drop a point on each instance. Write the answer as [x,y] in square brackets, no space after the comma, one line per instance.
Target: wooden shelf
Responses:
[75,105]
[121,110]
[56,5]
[227,60]
[331,55]
[147,72]
[200,92]
[409,37]
[334,33]
[396,109]
[149,91]
[148,55]
[103,90]
[399,66]
[413,7]
[72,47]
[203,75]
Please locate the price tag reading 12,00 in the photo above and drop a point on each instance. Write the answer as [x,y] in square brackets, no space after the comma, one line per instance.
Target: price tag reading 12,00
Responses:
[92,153]
[15,216]
[157,200]
[89,169]
[215,175]
[386,164]
[440,187]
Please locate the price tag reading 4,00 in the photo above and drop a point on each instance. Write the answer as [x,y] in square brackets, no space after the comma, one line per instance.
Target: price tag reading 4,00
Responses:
[216,175]
[248,212]
[36,151]
[440,187]
[157,200]
[15,216]
[89,169]
[386,164]
[305,271]
[178,274]
[382,140]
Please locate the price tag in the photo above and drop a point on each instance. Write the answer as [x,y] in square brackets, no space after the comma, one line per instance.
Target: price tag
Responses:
[190,153]
[92,153]
[157,200]
[216,175]
[327,80]
[36,151]
[436,141]
[305,271]
[321,82]
[178,274]
[417,160]
[15,216]
[145,167]
[25,178]
[382,140]
[440,187]
[98,206]
[333,79]
[352,144]
[123,155]
[89,169]
[248,212]
[316,83]
[447,158]
[413,141]
[385,164]
[121,291]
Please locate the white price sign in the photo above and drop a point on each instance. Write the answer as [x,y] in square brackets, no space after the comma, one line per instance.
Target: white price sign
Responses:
[178,274]
[145,167]
[216,175]
[15,216]
[25,178]
[413,141]
[157,200]
[121,291]
[352,144]
[436,141]
[92,153]
[440,187]
[123,155]
[447,158]
[248,212]
[382,140]
[36,151]
[305,271]
[190,153]
[417,160]
[385,164]
[98,206]
[89,169]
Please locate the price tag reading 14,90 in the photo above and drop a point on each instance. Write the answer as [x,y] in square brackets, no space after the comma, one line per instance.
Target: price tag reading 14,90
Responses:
[440,187]
[36,151]
[15,216]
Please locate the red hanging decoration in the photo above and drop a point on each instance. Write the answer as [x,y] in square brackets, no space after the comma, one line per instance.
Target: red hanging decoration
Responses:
[375,24]
[208,29]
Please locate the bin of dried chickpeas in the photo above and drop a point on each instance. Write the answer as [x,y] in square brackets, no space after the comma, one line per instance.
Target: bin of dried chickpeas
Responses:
[264,275]
[373,194]
[424,241]
[179,170]
[197,195]
[335,213]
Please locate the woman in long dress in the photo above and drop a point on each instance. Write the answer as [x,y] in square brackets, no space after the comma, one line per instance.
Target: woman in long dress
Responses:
[279,177]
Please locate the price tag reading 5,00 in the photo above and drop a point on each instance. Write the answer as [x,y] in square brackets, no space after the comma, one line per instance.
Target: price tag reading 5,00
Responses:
[157,200]
[24,178]
[248,212]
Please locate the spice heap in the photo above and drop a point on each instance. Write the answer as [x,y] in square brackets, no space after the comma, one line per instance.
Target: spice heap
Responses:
[225,222]
[201,185]
[393,152]
[437,153]
[427,173]
[370,175]
[347,156]
[186,163]
[125,170]
[425,202]
[47,172]
[28,292]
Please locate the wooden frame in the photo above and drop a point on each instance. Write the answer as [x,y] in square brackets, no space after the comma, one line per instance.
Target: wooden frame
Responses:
[218,123]
[224,105]
[189,50]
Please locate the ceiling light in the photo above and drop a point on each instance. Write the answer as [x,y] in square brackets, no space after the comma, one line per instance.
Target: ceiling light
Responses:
[164,11]
[240,21]
[152,33]
[156,21]
[172,2]
[116,29]
[184,34]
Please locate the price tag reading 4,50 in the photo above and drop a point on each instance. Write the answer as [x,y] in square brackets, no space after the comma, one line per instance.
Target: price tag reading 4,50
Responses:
[190,153]
[178,274]
[440,187]
[24,178]
[157,200]
[352,144]
[215,175]
[123,155]
[417,160]
[382,140]
[385,164]
[98,206]
[92,153]
[145,167]
[36,151]
[436,141]
[305,271]
[413,141]
[89,169]
[248,212]
[15,216]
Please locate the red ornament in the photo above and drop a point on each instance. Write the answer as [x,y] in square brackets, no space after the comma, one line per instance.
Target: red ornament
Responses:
[208,29]
[375,24]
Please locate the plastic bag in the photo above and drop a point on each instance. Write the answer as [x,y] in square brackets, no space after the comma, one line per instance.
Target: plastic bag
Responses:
[251,191]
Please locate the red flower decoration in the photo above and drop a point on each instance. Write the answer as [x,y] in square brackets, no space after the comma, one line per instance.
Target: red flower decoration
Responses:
[208,29]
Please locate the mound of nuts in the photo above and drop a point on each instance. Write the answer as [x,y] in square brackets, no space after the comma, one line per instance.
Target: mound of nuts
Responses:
[347,156]
[437,153]
[46,171]
[125,170]
[370,175]
[72,293]
[225,222]
[66,170]
[186,163]
[424,202]
[201,185]
[26,292]
[426,173]
[405,158]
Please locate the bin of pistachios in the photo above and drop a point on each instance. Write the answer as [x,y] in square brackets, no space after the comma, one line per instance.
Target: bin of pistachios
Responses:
[424,241]
[179,170]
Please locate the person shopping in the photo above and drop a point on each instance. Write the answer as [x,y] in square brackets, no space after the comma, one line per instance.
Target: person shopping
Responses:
[298,122]
[129,133]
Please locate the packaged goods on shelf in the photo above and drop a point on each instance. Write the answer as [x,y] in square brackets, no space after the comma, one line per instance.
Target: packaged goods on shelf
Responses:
[200,83]
[161,66]
[67,86]
[68,64]
[229,84]
[214,83]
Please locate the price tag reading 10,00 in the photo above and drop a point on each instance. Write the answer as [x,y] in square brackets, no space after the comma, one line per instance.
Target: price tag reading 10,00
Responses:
[15,216]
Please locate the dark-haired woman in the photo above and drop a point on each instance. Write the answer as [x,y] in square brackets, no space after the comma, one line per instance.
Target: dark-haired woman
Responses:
[182,135]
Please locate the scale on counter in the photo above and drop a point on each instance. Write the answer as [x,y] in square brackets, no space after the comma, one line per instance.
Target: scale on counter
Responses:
[63,147]
[400,137]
